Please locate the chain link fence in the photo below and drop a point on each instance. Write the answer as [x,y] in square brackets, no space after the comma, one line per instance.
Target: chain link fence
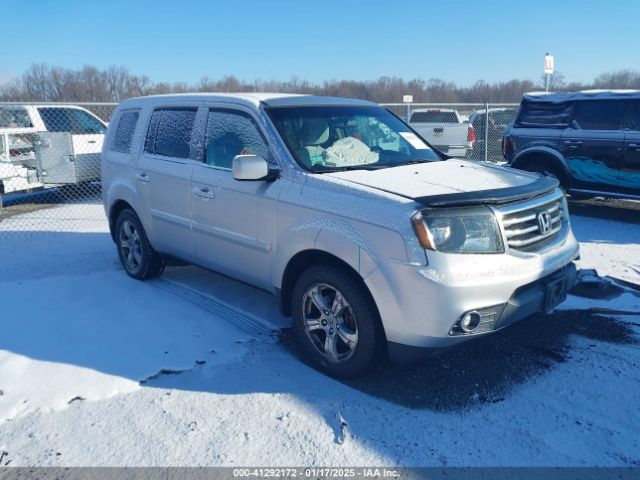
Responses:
[468,130]
[50,155]
[50,165]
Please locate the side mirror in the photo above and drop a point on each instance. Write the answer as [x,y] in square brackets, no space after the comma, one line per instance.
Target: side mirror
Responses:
[253,168]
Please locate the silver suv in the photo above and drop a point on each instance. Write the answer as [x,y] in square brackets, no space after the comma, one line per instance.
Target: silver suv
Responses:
[372,241]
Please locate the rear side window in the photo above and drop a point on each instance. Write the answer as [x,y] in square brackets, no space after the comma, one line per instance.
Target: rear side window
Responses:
[70,120]
[535,114]
[599,114]
[434,116]
[14,117]
[124,132]
[169,132]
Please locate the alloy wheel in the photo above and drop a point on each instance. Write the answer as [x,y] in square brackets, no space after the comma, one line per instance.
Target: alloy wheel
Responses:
[329,323]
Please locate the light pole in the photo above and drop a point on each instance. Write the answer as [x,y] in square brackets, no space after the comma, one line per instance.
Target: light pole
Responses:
[548,70]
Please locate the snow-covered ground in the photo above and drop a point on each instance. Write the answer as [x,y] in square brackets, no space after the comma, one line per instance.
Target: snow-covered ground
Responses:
[98,369]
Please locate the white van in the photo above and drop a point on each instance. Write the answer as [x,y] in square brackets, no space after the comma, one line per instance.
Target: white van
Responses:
[44,145]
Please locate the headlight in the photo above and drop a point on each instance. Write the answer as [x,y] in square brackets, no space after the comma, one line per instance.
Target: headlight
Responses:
[565,208]
[468,230]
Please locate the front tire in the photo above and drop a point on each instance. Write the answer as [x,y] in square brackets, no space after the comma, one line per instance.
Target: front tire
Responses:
[546,167]
[336,322]
[136,255]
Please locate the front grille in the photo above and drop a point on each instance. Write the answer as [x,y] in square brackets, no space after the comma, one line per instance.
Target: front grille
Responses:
[523,228]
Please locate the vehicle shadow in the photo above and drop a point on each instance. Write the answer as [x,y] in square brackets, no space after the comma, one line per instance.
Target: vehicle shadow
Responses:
[618,210]
[481,371]
[486,369]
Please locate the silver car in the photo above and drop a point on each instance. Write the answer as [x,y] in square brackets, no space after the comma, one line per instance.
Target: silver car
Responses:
[374,244]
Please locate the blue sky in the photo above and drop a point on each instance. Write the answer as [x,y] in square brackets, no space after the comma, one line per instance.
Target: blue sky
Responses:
[460,41]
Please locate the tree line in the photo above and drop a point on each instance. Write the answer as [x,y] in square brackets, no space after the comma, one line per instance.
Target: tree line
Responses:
[46,83]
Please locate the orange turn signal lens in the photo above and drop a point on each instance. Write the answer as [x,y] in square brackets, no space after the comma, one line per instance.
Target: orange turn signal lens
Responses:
[421,231]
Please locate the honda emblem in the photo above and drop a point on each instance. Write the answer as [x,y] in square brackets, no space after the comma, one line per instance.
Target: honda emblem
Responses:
[544,222]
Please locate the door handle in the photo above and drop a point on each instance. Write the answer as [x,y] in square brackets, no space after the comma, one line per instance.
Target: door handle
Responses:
[143,177]
[572,144]
[204,192]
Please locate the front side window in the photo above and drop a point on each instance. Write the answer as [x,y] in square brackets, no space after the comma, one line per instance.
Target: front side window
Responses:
[169,132]
[14,117]
[124,132]
[632,116]
[231,133]
[599,114]
[70,120]
[335,138]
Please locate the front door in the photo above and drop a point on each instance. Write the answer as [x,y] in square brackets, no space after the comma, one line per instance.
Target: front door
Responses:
[593,144]
[234,221]
[630,171]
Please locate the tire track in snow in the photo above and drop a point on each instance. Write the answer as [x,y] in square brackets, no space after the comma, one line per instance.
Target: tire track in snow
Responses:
[245,321]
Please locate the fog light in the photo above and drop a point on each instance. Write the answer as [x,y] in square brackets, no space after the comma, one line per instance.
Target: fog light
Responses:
[470,321]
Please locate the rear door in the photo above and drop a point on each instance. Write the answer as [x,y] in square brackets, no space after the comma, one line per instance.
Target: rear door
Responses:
[630,169]
[163,179]
[234,221]
[592,144]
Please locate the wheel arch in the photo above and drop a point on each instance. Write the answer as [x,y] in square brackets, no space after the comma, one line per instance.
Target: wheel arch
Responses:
[116,208]
[544,156]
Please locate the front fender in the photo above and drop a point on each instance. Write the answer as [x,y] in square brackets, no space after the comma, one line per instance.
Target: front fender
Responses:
[539,151]
[361,246]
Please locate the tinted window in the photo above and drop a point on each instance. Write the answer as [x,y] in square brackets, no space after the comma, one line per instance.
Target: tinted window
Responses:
[535,114]
[632,117]
[231,133]
[169,132]
[503,117]
[599,114]
[14,117]
[124,132]
[434,116]
[70,120]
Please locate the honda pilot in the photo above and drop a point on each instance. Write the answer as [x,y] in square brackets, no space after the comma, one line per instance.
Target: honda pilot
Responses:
[373,242]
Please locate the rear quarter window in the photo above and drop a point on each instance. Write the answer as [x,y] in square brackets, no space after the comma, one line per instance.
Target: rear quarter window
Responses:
[542,114]
[169,132]
[124,131]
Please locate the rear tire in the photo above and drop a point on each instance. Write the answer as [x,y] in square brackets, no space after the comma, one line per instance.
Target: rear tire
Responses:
[336,322]
[136,255]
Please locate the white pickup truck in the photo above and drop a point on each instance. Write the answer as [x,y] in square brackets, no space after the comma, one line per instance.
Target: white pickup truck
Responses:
[48,145]
[445,130]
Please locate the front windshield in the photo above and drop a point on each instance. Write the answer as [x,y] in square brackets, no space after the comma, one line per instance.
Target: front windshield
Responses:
[338,138]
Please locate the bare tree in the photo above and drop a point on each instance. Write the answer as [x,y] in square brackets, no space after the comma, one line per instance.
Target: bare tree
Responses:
[41,82]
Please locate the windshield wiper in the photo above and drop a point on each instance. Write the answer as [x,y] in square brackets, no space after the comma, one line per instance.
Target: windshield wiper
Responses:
[350,167]
[413,161]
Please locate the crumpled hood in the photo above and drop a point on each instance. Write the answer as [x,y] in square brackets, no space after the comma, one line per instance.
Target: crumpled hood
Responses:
[440,178]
